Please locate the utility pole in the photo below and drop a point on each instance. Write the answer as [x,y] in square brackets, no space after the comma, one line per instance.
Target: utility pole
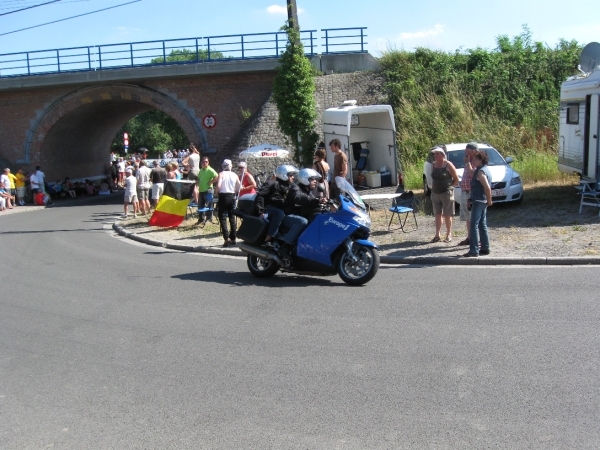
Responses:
[293,15]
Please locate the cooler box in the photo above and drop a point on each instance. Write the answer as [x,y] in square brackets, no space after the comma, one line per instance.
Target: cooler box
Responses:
[386,179]
[373,179]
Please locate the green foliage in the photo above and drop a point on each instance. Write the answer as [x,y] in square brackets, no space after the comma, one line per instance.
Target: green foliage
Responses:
[153,130]
[508,97]
[245,113]
[293,93]
[180,55]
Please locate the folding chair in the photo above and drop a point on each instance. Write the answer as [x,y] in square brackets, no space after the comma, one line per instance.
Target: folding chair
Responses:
[404,204]
[190,210]
[204,209]
[589,195]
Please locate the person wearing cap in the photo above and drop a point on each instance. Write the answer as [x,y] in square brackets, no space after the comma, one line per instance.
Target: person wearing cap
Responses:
[130,193]
[158,176]
[247,180]
[465,189]
[444,178]
[228,185]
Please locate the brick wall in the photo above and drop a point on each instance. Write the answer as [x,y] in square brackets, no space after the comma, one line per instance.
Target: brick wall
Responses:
[68,129]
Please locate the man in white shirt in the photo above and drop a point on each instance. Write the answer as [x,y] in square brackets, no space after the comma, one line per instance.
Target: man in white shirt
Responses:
[130,193]
[34,183]
[41,179]
[143,184]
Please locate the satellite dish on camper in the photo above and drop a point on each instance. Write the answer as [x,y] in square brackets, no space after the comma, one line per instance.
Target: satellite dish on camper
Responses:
[590,57]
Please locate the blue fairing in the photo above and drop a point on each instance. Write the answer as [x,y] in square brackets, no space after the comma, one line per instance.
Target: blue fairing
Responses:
[327,232]
[366,243]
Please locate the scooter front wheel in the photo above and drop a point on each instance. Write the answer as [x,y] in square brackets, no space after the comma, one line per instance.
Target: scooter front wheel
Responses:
[360,266]
[262,268]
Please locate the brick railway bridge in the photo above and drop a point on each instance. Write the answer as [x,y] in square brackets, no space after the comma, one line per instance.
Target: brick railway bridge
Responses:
[66,120]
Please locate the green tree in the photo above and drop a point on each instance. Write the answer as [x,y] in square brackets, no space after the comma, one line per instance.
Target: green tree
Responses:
[153,130]
[188,55]
[293,93]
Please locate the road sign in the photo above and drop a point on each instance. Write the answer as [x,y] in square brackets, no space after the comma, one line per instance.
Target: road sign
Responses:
[209,121]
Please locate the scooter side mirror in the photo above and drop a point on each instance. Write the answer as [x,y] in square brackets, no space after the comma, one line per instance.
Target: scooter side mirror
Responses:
[320,187]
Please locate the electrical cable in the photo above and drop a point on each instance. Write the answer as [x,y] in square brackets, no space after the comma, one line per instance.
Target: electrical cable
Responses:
[67,18]
[29,7]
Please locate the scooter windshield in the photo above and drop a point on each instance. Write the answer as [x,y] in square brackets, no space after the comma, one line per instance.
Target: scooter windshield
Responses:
[347,190]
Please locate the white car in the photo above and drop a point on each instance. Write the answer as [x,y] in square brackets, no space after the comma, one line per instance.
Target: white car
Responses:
[506,182]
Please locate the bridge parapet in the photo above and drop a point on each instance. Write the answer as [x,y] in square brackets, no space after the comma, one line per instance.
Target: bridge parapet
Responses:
[176,52]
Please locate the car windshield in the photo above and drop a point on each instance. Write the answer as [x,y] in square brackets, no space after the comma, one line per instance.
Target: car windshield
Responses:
[457,157]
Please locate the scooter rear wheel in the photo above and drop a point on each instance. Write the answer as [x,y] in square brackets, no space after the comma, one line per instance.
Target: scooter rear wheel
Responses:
[360,268]
[262,268]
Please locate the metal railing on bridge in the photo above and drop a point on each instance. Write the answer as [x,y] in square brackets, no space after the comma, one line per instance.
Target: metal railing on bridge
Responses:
[175,51]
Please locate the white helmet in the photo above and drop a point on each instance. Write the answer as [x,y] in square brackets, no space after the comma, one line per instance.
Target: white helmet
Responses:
[305,176]
[285,171]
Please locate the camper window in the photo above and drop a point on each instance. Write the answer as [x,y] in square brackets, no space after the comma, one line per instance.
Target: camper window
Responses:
[573,114]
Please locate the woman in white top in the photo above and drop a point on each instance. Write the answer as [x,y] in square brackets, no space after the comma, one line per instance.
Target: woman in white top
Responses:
[228,184]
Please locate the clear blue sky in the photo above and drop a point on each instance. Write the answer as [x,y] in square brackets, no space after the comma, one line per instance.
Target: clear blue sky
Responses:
[438,24]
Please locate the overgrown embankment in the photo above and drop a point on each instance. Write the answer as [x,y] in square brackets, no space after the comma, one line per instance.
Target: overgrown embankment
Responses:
[508,97]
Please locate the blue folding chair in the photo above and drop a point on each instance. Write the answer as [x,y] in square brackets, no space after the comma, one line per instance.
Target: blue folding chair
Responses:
[403,204]
[205,209]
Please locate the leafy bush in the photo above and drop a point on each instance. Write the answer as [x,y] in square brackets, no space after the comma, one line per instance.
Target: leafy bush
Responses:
[508,97]
[294,95]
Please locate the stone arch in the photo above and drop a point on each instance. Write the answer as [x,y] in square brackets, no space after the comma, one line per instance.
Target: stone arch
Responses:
[72,136]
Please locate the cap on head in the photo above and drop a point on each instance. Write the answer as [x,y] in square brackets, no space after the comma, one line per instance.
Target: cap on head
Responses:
[438,150]
[473,146]
[242,164]
[227,163]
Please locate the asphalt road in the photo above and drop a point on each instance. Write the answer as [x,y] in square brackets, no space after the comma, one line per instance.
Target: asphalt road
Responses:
[109,344]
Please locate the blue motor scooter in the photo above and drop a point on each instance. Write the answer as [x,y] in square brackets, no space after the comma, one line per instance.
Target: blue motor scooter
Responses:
[335,242]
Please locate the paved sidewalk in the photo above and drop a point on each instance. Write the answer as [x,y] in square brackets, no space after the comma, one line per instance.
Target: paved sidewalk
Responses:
[414,252]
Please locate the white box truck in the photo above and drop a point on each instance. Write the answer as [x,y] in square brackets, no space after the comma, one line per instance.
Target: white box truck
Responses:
[359,128]
[580,119]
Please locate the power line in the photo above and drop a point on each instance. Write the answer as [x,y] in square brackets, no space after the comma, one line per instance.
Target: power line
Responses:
[29,7]
[4,8]
[72,17]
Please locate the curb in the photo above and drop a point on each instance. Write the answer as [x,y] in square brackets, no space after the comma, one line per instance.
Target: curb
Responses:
[395,260]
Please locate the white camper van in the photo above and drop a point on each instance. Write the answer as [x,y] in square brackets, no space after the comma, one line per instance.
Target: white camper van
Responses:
[368,137]
[580,119]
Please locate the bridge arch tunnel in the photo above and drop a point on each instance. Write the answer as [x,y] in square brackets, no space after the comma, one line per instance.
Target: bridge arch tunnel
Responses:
[73,135]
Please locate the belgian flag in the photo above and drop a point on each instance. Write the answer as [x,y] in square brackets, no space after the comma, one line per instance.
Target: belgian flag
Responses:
[173,204]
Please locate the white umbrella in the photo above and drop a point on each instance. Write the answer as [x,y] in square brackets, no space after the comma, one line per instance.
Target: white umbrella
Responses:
[264,151]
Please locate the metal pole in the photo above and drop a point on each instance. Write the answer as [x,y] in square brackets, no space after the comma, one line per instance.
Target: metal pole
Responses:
[58,60]
[293,15]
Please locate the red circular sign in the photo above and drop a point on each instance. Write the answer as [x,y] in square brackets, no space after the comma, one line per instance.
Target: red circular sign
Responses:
[209,121]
